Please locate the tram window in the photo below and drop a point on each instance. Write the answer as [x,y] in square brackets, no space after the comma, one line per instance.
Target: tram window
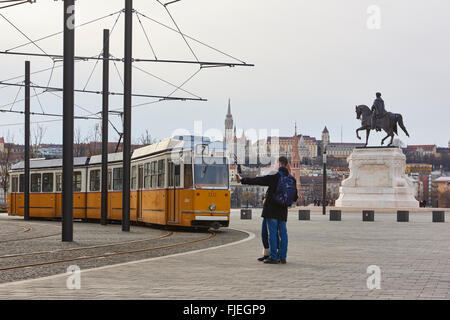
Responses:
[133,178]
[109,179]
[147,176]
[58,182]
[77,181]
[161,173]
[140,177]
[14,184]
[22,183]
[94,180]
[36,180]
[174,172]
[47,182]
[117,179]
[154,175]
[188,176]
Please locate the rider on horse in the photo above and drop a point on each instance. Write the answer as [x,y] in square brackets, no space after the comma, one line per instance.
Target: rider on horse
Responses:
[378,111]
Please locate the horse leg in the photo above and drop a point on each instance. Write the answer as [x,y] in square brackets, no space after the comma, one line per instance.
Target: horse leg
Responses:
[382,141]
[392,140]
[357,133]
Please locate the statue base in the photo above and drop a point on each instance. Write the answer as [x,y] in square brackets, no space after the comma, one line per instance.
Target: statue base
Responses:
[377,180]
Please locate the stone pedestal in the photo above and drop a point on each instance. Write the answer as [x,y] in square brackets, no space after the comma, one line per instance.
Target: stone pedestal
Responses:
[377,180]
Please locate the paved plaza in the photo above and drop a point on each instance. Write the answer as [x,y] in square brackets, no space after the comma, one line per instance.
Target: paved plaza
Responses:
[326,260]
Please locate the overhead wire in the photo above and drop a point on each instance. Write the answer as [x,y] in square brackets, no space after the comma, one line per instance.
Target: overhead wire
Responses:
[179,31]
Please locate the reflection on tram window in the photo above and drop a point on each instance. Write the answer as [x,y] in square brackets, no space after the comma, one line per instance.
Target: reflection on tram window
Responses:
[147,176]
[117,179]
[22,183]
[109,179]
[36,182]
[58,182]
[211,174]
[188,183]
[174,174]
[47,182]
[154,175]
[14,184]
[133,178]
[94,180]
[77,181]
[161,173]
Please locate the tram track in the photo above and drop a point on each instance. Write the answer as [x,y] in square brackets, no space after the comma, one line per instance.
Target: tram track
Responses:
[104,255]
[168,234]
[25,230]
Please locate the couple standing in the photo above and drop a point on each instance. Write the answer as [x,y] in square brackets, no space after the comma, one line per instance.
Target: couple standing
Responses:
[281,194]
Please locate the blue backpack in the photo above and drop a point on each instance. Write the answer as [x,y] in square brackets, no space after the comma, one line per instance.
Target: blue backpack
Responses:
[286,190]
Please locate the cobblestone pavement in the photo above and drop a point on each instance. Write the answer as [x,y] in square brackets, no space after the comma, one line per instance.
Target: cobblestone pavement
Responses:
[326,260]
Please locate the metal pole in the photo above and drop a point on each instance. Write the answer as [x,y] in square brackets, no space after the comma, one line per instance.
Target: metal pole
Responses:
[105,114]
[127,114]
[324,190]
[68,119]
[27,143]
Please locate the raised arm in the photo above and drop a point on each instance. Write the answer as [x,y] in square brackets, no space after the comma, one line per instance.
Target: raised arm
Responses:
[266,181]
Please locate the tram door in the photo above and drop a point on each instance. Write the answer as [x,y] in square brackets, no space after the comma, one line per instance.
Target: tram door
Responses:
[139,192]
[173,198]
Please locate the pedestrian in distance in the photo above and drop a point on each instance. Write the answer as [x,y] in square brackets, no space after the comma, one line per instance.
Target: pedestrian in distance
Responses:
[281,194]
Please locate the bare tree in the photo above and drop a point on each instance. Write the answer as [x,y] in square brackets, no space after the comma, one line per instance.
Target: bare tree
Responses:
[94,141]
[5,164]
[145,139]
[37,136]
[78,148]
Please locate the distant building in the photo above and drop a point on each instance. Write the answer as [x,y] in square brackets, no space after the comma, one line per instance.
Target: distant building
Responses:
[419,168]
[312,189]
[422,150]
[443,192]
[342,150]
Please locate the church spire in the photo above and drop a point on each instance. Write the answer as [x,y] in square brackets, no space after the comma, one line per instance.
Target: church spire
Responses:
[229,118]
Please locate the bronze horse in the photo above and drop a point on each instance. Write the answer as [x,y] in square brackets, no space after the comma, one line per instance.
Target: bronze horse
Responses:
[388,123]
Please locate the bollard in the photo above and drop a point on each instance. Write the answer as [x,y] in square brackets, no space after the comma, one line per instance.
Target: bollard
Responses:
[402,216]
[246,214]
[304,215]
[335,215]
[368,215]
[438,216]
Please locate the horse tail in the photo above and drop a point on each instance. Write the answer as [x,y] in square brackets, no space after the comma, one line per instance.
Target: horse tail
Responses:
[400,122]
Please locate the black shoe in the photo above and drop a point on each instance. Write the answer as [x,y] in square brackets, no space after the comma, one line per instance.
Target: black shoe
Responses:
[263,258]
[271,261]
[283,261]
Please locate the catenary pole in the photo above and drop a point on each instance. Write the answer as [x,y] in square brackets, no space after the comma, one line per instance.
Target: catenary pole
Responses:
[105,115]
[68,120]
[27,143]
[127,114]
[324,185]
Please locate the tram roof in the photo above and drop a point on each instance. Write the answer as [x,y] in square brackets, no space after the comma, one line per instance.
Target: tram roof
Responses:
[165,145]
[51,163]
[112,157]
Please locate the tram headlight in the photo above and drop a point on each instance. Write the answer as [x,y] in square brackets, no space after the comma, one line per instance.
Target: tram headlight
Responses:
[212,207]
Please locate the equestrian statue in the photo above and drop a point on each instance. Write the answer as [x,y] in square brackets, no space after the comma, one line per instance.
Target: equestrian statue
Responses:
[379,119]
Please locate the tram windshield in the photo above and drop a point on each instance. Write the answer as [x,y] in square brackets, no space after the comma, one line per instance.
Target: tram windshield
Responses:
[211,173]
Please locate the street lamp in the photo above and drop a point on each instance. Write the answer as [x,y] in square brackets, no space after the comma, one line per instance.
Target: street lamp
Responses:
[324,190]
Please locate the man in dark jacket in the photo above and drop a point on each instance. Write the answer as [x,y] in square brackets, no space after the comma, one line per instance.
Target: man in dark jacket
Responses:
[274,214]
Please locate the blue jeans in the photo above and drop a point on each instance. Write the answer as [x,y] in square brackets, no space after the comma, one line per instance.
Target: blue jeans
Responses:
[283,247]
[272,225]
[265,235]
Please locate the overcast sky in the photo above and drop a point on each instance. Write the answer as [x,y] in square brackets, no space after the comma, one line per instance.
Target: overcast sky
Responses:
[315,60]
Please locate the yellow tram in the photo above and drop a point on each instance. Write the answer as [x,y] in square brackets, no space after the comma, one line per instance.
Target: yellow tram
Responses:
[172,183]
